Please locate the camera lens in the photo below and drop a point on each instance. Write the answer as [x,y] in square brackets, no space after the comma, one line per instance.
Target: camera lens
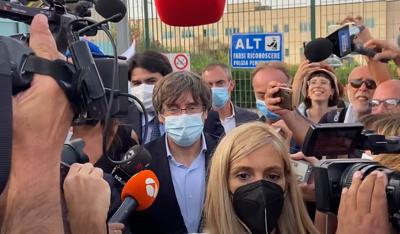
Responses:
[392,189]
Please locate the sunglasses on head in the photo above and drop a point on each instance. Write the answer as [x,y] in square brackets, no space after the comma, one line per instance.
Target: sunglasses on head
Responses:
[370,84]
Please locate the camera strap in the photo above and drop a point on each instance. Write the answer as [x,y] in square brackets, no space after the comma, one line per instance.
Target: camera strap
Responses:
[5,128]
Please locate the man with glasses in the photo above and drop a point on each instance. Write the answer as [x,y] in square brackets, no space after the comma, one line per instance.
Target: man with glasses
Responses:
[360,89]
[180,157]
[386,98]
[225,115]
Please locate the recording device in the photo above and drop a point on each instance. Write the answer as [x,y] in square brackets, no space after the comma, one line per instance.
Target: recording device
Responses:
[286,97]
[140,159]
[73,152]
[139,193]
[332,139]
[340,42]
[332,175]
[302,169]
[190,12]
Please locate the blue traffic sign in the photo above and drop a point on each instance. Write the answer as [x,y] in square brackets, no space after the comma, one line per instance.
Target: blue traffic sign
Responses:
[249,49]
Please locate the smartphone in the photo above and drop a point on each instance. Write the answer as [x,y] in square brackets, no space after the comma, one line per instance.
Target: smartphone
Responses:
[302,169]
[286,97]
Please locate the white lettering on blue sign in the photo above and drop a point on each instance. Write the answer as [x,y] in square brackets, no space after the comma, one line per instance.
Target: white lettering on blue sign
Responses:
[249,49]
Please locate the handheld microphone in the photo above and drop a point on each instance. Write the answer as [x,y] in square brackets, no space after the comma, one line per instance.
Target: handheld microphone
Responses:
[367,52]
[190,12]
[139,193]
[140,160]
[318,49]
[73,152]
[109,8]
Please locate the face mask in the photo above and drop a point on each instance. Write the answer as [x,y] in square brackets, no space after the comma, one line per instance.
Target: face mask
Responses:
[267,113]
[258,205]
[184,129]
[220,96]
[144,93]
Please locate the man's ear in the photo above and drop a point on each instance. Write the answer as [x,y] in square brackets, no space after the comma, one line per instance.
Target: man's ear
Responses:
[161,118]
[232,85]
[204,115]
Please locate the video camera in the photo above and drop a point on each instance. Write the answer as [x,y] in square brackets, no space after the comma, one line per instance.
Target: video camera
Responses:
[332,175]
[82,81]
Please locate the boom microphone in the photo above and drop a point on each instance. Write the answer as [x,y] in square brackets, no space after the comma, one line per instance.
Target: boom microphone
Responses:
[190,12]
[138,194]
[109,8]
[318,49]
[140,159]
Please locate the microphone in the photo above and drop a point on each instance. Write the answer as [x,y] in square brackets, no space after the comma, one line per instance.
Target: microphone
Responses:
[318,49]
[140,160]
[73,152]
[109,8]
[190,12]
[139,193]
[367,52]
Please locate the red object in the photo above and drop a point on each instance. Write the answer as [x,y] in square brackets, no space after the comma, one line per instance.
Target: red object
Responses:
[143,187]
[190,12]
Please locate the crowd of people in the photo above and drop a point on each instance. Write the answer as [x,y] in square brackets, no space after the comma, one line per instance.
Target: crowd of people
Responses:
[221,168]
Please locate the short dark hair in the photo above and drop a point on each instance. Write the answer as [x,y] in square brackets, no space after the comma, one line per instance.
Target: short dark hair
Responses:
[168,90]
[335,97]
[152,61]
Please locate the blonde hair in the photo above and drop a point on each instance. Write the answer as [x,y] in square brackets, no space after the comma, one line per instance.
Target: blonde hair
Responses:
[387,125]
[219,212]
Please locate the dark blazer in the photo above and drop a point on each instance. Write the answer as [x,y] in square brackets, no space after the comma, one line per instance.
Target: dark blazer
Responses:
[213,124]
[164,216]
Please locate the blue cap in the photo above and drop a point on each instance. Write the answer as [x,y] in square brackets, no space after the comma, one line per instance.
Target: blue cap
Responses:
[94,49]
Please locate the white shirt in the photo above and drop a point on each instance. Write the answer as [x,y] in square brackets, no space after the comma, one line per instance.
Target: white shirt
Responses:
[229,122]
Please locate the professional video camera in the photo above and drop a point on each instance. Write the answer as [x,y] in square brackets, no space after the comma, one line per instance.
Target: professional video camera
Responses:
[332,175]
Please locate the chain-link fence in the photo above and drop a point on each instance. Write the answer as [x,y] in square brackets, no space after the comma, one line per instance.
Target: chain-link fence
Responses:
[297,20]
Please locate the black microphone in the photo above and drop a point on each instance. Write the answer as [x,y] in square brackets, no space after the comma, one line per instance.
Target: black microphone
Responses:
[109,8]
[140,160]
[73,152]
[318,49]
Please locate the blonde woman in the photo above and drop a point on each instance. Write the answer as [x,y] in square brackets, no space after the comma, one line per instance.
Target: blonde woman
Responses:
[251,187]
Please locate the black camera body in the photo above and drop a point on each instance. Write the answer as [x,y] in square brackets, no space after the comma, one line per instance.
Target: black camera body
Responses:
[332,175]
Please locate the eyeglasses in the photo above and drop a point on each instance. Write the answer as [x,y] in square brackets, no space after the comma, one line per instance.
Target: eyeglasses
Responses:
[388,103]
[318,81]
[370,84]
[190,109]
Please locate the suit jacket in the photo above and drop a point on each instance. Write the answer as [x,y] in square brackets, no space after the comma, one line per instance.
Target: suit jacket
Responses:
[213,124]
[164,216]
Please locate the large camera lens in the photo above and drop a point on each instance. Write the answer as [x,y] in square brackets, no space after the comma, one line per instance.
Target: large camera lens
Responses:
[392,189]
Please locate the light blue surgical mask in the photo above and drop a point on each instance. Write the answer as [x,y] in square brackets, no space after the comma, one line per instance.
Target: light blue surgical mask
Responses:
[260,104]
[220,96]
[184,129]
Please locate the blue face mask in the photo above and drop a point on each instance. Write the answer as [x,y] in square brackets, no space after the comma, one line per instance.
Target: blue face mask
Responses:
[267,113]
[184,129]
[220,96]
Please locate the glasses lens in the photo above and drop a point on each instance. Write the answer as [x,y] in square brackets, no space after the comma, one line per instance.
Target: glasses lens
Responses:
[370,84]
[375,103]
[391,102]
[356,83]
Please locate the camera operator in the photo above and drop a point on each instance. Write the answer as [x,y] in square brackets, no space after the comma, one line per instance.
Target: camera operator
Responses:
[41,119]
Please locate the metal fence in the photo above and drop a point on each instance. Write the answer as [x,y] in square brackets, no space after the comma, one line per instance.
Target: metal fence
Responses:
[298,20]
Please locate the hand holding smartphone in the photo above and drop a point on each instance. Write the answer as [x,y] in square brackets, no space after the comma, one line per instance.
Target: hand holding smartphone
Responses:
[302,169]
[286,97]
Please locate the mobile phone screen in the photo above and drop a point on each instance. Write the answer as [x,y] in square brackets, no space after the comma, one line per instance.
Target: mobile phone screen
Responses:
[301,169]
